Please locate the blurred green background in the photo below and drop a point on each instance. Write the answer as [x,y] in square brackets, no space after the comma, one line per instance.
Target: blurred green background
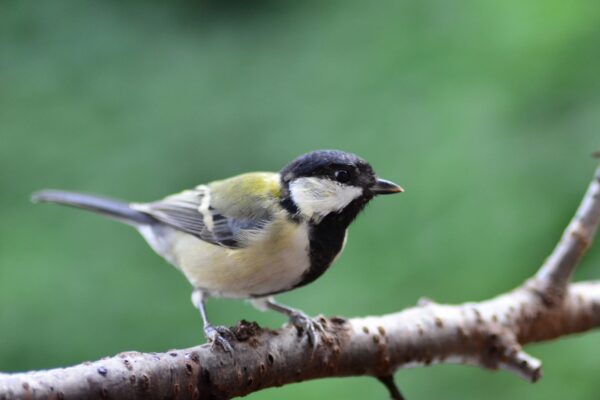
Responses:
[486,112]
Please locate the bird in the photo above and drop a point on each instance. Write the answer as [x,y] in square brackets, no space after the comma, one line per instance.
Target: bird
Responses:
[253,235]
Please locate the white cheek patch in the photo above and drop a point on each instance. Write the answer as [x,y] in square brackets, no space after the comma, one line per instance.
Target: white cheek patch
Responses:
[318,197]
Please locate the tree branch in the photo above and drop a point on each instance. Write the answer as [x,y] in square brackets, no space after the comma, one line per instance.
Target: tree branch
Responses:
[552,278]
[488,334]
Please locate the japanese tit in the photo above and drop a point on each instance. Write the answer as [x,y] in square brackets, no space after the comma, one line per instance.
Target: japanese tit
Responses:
[253,235]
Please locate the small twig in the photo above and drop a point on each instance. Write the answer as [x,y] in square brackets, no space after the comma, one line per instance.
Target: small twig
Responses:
[388,382]
[553,277]
[524,365]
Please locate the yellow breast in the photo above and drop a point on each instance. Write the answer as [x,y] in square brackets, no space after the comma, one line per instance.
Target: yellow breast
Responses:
[273,262]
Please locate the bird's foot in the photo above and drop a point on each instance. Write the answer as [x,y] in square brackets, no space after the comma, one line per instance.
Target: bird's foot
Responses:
[219,336]
[307,325]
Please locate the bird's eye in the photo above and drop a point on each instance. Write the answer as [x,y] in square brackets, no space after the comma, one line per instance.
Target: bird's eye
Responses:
[341,176]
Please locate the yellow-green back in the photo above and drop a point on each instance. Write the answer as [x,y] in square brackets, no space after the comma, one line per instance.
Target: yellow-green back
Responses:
[251,195]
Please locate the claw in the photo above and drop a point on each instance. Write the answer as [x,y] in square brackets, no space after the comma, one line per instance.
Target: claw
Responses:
[216,335]
[307,325]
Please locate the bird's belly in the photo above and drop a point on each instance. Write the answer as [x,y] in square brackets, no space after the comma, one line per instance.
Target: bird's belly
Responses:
[273,263]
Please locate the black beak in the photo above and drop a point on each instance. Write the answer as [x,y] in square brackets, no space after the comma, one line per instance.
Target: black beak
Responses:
[383,186]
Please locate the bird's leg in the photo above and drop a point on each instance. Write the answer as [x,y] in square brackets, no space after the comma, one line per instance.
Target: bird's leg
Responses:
[216,335]
[299,319]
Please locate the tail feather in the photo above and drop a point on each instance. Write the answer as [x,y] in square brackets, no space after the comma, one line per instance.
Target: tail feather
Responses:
[116,209]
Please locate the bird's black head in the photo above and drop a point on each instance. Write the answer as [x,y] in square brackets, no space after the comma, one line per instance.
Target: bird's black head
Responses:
[330,182]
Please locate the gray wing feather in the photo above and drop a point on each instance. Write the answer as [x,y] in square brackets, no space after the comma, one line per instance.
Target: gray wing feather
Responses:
[187,212]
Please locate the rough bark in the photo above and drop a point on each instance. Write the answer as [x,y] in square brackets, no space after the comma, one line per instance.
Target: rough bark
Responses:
[489,334]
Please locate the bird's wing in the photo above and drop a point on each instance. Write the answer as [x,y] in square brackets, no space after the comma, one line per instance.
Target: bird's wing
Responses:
[223,213]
